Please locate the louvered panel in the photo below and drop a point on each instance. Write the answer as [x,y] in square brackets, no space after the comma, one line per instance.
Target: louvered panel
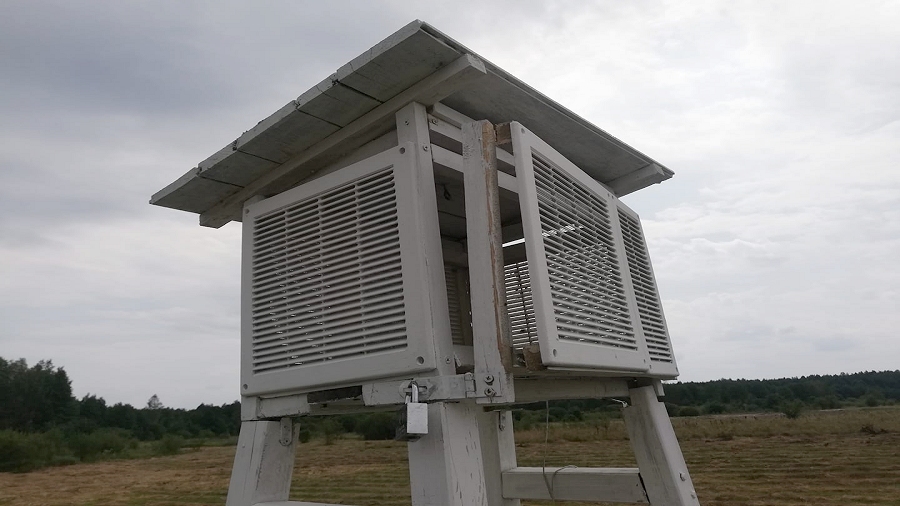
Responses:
[519,305]
[455,304]
[588,298]
[327,285]
[650,310]
[332,274]
[584,310]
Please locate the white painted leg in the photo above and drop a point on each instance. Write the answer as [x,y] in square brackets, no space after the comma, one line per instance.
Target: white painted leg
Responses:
[498,450]
[446,467]
[263,464]
[659,458]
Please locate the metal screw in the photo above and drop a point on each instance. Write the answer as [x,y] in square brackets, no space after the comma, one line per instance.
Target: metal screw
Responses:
[406,122]
[434,121]
[490,392]
[447,360]
[682,476]
[488,379]
[425,148]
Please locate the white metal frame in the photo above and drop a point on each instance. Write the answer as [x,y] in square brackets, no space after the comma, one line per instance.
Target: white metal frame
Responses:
[419,353]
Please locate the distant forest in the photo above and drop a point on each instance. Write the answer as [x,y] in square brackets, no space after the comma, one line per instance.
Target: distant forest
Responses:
[39,398]
[38,410]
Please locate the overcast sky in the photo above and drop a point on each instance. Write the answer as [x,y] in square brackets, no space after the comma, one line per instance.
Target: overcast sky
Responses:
[776,246]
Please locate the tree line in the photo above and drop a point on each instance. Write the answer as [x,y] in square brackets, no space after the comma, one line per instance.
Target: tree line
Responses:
[39,398]
[42,423]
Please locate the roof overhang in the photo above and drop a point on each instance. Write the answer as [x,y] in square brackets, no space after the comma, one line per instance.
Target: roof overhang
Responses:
[356,105]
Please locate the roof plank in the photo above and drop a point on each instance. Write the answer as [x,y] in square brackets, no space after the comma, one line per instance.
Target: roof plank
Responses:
[339,115]
[375,123]
[192,193]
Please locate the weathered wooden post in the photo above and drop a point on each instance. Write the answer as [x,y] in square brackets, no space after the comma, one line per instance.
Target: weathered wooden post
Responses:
[424,231]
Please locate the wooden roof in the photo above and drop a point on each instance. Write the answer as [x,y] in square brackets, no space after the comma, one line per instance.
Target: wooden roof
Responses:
[356,104]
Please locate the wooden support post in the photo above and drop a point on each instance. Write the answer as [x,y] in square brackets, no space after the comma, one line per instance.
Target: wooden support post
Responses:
[263,463]
[492,341]
[445,466]
[659,458]
[490,324]
[412,126]
[498,450]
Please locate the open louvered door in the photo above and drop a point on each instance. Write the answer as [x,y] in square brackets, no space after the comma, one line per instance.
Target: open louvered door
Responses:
[333,274]
[586,313]
[650,311]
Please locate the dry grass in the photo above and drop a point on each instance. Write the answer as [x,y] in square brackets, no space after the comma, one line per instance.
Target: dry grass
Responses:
[821,459]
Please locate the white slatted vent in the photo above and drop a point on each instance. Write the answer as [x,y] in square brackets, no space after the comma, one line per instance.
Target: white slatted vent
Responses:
[519,305]
[455,304]
[588,296]
[649,307]
[327,278]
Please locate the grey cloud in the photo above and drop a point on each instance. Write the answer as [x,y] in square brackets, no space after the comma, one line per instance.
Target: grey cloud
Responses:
[774,246]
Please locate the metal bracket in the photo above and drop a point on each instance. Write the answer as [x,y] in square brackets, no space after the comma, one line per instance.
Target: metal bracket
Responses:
[488,385]
[430,389]
[287,431]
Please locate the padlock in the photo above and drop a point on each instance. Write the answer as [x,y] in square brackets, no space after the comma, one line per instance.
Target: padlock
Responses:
[416,424]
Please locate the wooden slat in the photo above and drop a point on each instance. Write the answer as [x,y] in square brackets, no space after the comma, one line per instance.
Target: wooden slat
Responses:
[641,178]
[278,407]
[445,81]
[235,167]
[381,73]
[267,144]
[452,132]
[621,485]
[335,102]
[449,160]
[192,192]
[533,390]
[490,323]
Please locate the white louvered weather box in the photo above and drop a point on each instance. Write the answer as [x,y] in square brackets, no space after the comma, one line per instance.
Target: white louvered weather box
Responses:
[586,293]
[333,272]
[424,232]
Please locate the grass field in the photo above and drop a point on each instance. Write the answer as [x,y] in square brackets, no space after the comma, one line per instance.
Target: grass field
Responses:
[823,458]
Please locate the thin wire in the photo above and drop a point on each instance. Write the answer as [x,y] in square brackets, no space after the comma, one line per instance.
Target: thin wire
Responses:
[547,482]
[620,401]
